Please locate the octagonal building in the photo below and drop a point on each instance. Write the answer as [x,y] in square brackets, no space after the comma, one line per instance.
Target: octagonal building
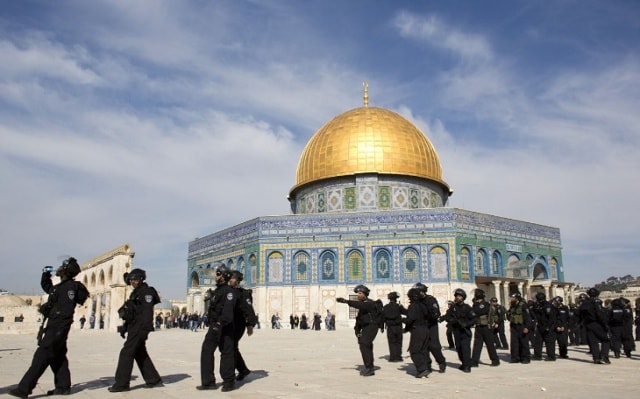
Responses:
[369,206]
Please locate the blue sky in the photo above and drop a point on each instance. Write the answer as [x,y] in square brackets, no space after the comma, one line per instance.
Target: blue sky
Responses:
[155,122]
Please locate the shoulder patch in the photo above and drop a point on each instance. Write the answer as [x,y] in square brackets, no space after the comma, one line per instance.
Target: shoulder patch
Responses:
[229,296]
[71,294]
[249,301]
[148,298]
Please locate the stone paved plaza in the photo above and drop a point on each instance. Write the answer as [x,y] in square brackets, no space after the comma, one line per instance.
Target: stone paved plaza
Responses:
[315,364]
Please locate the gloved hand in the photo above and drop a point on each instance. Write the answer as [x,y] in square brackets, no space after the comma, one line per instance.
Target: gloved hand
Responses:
[341,300]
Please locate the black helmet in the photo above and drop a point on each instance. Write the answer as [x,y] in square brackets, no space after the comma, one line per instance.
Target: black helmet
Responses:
[414,294]
[135,274]
[420,287]
[593,292]
[540,296]
[237,274]
[361,288]
[69,268]
[494,299]
[558,299]
[461,292]
[583,296]
[516,295]
[223,270]
[478,293]
[393,295]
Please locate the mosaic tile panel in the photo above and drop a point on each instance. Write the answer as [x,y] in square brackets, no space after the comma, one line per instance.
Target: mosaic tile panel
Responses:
[366,197]
[400,197]
[334,203]
[384,197]
[350,198]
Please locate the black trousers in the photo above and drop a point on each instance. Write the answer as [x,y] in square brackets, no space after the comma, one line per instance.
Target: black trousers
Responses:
[484,335]
[450,340]
[365,343]
[419,347]
[500,337]
[241,366]
[434,346]
[621,339]
[598,341]
[51,352]
[221,339]
[394,338]
[462,338]
[519,343]
[562,337]
[549,339]
[135,348]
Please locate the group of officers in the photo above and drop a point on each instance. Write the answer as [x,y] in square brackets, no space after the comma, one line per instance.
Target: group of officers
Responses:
[230,312]
[532,325]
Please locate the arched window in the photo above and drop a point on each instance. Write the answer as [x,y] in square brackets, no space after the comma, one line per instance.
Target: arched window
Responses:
[465,263]
[241,265]
[300,265]
[496,262]
[354,266]
[410,268]
[195,280]
[438,260]
[478,268]
[328,266]
[275,267]
[384,264]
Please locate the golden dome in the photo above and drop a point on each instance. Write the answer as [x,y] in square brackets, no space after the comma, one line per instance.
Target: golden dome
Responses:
[368,140]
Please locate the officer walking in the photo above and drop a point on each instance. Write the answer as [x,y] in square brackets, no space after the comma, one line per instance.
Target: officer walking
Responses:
[520,324]
[52,339]
[244,319]
[461,317]
[366,327]
[545,315]
[221,314]
[432,316]
[392,314]
[619,338]
[137,313]
[483,334]
[595,321]
[416,325]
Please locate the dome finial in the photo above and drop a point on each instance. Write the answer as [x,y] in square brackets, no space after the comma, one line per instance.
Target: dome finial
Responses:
[365,85]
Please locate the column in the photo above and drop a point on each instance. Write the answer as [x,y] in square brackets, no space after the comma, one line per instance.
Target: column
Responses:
[107,311]
[98,310]
[496,289]
[505,294]
[521,290]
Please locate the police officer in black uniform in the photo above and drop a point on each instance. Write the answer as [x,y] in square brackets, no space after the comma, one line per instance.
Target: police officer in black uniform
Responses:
[462,318]
[498,329]
[545,315]
[366,327]
[221,314]
[562,326]
[619,320]
[244,319]
[520,325]
[416,325]
[594,319]
[137,313]
[52,340]
[486,319]
[392,314]
[432,315]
